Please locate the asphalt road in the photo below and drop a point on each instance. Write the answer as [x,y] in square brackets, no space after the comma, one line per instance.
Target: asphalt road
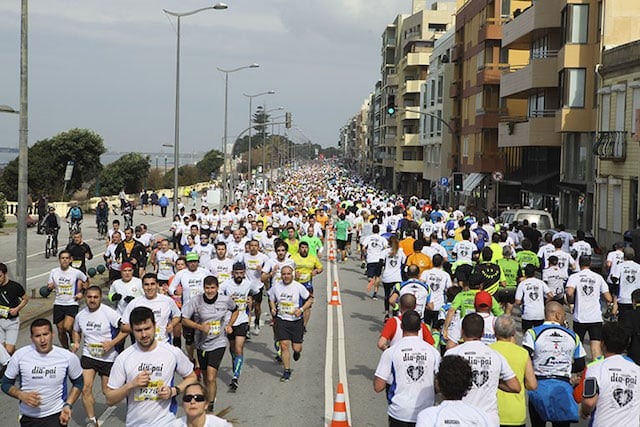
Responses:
[340,346]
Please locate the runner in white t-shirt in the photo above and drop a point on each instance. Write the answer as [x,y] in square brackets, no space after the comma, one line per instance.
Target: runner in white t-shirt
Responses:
[408,369]
[489,367]
[144,374]
[69,284]
[455,379]
[439,281]
[98,324]
[220,266]
[164,261]
[532,293]
[45,398]
[194,403]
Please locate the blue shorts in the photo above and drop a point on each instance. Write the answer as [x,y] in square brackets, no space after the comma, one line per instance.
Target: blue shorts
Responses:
[553,400]
[309,286]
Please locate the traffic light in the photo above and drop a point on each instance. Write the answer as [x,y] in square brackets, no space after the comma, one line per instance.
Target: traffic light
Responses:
[287,120]
[457,181]
[391,105]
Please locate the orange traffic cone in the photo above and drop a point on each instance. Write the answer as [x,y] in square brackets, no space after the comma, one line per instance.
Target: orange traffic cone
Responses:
[335,299]
[332,253]
[339,418]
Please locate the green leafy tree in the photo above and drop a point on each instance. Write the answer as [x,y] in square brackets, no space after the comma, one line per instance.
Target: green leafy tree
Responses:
[260,117]
[187,175]
[211,162]
[48,160]
[129,172]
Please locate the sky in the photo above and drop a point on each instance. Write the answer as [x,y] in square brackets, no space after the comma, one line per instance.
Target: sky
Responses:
[110,66]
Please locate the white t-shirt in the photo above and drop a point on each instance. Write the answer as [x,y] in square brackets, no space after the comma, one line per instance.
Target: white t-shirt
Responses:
[619,391]
[427,228]
[66,284]
[211,421]
[628,275]
[582,248]
[205,252]
[45,373]
[375,245]
[588,288]
[97,327]
[392,272]
[439,281]
[4,356]
[453,413]
[273,264]
[144,409]
[132,288]
[409,368]
[532,293]
[555,278]
[267,245]
[546,251]
[489,368]
[220,268]
[165,262]
[565,261]
[464,250]
[235,248]
[614,257]
[192,283]
[110,254]
[288,298]
[254,265]
[164,309]
[239,293]
[489,333]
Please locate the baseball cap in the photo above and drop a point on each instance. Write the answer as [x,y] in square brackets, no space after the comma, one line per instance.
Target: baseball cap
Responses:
[237,266]
[629,252]
[126,265]
[483,298]
[193,256]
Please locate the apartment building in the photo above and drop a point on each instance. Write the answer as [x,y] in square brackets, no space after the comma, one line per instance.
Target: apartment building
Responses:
[436,133]
[617,143]
[479,61]
[406,47]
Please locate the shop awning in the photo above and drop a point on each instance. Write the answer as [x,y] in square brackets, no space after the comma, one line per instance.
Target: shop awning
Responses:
[471,182]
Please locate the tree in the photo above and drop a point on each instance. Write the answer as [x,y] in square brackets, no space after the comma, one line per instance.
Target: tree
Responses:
[187,175]
[128,172]
[48,160]
[260,117]
[211,162]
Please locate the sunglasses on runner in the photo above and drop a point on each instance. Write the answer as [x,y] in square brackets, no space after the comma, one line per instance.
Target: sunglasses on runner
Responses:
[190,397]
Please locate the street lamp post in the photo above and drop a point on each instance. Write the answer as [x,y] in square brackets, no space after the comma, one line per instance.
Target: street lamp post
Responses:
[226,122]
[176,144]
[270,92]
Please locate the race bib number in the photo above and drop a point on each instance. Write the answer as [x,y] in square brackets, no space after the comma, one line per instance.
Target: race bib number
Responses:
[305,277]
[160,336]
[214,328]
[241,303]
[96,350]
[165,266]
[4,311]
[223,276]
[287,307]
[65,290]
[150,392]
[76,263]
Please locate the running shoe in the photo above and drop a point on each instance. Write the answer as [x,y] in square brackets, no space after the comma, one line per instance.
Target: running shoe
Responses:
[296,355]
[374,296]
[363,265]
[91,422]
[233,385]
[256,330]
[286,375]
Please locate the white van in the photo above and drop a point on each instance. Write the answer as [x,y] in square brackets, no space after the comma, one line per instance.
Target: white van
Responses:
[543,219]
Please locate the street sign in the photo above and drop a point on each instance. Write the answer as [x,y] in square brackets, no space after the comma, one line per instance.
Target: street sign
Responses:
[444,181]
[69,171]
[497,176]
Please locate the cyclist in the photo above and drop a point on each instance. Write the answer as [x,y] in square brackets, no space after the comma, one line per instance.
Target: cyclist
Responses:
[102,217]
[51,225]
[74,216]
[127,213]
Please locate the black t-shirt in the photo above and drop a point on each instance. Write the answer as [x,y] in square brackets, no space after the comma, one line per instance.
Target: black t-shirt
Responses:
[78,253]
[11,295]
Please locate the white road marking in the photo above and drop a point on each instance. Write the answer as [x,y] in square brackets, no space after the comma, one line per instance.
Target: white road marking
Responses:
[342,359]
[106,414]
[328,359]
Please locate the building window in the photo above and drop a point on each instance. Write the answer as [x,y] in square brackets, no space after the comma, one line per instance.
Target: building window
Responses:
[572,87]
[439,123]
[636,107]
[575,22]
[602,208]
[465,146]
[440,89]
[616,211]
[621,98]
[605,112]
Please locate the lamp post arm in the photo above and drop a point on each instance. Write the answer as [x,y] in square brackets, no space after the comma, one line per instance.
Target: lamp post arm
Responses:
[430,115]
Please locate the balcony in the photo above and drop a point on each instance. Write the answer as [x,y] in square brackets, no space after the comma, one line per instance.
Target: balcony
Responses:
[576,120]
[410,166]
[491,29]
[413,86]
[487,118]
[533,132]
[539,73]
[611,146]
[454,90]
[456,52]
[411,139]
[416,58]
[489,74]
[410,115]
[543,14]
[484,163]
[388,162]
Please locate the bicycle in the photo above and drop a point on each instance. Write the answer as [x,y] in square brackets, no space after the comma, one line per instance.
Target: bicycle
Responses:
[51,244]
[102,228]
[74,227]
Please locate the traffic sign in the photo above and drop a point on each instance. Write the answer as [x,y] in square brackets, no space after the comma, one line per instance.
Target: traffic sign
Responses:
[444,181]
[497,176]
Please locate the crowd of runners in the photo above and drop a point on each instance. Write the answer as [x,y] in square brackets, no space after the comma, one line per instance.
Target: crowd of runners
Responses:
[475,311]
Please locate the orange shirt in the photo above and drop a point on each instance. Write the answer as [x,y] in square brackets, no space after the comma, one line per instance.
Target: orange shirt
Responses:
[421,260]
[322,219]
[407,245]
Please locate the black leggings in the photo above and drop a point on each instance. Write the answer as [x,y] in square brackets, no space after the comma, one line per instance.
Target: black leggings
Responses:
[537,421]
[388,287]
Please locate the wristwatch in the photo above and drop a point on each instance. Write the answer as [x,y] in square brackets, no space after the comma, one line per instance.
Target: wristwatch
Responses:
[67,404]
